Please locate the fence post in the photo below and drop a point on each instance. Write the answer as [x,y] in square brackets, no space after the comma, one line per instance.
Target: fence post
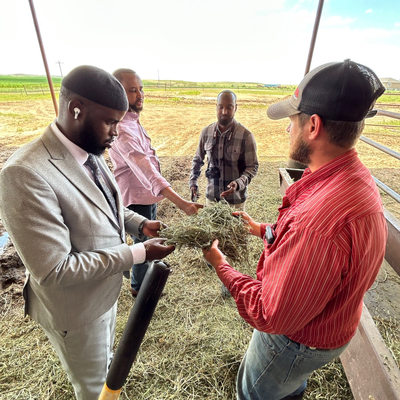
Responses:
[25,90]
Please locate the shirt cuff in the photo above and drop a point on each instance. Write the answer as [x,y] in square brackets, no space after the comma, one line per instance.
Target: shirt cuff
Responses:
[242,182]
[263,228]
[158,186]
[138,253]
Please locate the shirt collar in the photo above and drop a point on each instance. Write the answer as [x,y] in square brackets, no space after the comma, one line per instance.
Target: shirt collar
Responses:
[131,116]
[309,178]
[230,130]
[77,152]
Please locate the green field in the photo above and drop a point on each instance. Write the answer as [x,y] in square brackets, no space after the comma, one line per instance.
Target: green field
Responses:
[18,81]
[32,87]
[23,87]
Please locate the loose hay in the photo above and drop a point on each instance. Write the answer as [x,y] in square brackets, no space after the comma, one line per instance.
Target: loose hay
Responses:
[212,222]
[194,343]
[389,330]
[196,339]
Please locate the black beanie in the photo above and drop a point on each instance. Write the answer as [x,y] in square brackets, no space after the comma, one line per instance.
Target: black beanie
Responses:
[98,86]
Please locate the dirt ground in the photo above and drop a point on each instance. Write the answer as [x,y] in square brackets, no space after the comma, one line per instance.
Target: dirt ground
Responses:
[174,123]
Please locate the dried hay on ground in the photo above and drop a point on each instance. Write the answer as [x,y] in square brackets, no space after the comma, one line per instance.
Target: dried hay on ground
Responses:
[389,330]
[196,339]
[194,343]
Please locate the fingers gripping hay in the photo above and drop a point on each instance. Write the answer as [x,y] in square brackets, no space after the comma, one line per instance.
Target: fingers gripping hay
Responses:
[212,222]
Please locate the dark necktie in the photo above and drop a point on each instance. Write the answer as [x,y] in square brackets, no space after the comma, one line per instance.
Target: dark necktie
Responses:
[91,162]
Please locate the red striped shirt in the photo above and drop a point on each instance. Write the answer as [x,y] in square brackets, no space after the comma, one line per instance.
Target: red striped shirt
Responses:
[330,241]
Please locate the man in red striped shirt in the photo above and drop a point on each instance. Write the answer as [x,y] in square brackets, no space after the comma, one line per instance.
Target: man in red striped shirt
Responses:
[325,249]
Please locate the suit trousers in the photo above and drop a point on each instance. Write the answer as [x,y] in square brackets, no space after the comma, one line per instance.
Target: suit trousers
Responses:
[86,353]
[139,270]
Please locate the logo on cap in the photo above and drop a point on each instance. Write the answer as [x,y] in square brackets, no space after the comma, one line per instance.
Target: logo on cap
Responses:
[296,93]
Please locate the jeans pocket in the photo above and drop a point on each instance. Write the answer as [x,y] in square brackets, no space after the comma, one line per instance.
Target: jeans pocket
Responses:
[276,343]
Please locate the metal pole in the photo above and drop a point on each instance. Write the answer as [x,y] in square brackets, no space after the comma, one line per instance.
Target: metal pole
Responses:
[293,163]
[59,64]
[385,113]
[394,195]
[314,36]
[381,147]
[43,56]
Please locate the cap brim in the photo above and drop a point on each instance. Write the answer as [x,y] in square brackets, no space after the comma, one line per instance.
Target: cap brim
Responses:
[283,109]
[371,113]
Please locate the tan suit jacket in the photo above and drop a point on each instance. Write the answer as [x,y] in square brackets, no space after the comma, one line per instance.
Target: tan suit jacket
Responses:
[65,233]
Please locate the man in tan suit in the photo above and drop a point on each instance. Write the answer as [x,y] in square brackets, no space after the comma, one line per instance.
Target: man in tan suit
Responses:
[68,224]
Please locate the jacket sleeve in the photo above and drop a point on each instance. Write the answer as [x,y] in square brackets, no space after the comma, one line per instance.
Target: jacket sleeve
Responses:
[250,161]
[198,160]
[57,252]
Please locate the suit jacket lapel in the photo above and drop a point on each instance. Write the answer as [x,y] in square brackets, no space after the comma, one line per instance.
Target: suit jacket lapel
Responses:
[62,159]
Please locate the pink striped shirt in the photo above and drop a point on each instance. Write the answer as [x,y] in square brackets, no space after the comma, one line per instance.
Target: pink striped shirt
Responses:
[136,166]
[330,241]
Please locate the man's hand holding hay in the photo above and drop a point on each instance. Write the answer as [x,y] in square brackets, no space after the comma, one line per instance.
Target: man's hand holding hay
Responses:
[214,255]
[255,227]
[212,222]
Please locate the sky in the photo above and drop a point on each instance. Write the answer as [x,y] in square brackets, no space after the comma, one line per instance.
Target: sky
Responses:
[265,41]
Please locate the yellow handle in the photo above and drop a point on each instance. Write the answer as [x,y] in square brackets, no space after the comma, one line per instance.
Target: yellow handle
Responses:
[108,394]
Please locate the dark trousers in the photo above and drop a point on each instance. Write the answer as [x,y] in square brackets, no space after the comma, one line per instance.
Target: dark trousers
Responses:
[139,270]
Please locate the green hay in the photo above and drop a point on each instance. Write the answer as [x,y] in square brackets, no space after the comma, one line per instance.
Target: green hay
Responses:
[195,341]
[212,222]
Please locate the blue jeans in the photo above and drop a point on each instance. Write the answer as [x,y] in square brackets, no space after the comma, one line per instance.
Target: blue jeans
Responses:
[274,367]
[139,270]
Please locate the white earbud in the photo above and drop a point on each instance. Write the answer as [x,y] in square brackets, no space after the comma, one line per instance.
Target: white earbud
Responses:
[77,112]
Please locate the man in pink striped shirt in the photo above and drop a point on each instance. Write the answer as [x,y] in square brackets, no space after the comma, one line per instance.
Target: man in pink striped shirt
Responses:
[325,249]
[137,168]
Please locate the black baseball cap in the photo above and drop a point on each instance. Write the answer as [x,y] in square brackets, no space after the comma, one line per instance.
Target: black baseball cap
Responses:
[337,91]
[98,86]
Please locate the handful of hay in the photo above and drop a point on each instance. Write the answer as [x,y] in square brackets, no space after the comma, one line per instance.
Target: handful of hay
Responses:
[198,231]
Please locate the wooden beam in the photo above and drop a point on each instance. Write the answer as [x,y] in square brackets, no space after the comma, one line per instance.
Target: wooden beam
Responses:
[370,368]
